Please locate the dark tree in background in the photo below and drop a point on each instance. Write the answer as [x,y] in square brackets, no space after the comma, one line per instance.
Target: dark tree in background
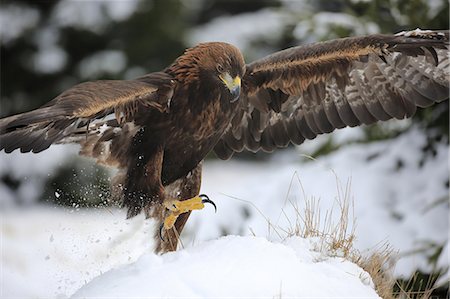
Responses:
[151,36]
[149,39]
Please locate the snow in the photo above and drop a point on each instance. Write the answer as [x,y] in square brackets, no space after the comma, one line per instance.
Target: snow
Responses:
[121,10]
[33,170]
[50,57]
[298,6]
[15,20]
[52,252]
[92,15]
[390,205]
[233,266]
[266,24]
[321,24]
[434,7]
[106,61]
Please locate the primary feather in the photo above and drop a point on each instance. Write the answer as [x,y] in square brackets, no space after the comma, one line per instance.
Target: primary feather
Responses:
[301,92]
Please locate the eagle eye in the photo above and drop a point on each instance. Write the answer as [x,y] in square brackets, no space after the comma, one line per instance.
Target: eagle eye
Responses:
[220,68]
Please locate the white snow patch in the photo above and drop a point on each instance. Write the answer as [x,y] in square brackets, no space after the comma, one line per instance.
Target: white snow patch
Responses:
[33,170]
[50,253]
[85,15]
[109,61]
[338,138]
[266,24]
[121,10]
[235,267]
[298,6]
[50,57]
[434,7]
[92,15]
[134,72]
[49,60]
[30,164]
[391,205]
[319,27]
[15,19]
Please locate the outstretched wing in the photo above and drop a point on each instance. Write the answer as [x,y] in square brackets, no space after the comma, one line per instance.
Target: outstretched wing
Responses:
[85,107]
[298,93]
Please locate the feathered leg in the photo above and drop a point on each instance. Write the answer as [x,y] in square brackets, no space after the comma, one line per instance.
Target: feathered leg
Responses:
[185,188]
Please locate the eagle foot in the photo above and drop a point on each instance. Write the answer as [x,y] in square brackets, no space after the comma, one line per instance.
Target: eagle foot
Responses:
[178,207]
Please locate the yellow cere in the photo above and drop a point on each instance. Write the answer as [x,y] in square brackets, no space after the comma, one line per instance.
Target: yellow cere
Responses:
[237,81]
[230,82]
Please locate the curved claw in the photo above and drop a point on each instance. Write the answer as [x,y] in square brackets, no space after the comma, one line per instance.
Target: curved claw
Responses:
[205,199]
[160,232]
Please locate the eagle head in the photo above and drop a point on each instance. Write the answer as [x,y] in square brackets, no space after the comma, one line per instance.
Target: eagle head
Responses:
[215,65]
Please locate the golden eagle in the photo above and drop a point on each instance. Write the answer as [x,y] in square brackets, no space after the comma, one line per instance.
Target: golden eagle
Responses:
[157,129]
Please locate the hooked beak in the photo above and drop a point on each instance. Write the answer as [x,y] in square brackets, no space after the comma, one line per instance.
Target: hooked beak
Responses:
[233,85]
[235,92]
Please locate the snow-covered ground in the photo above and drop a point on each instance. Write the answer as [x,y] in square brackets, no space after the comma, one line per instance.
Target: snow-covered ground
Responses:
[49,252]
[394,198]
[52,252]
[232,267]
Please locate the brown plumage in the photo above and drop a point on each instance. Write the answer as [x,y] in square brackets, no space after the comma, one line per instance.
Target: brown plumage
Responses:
[157,129]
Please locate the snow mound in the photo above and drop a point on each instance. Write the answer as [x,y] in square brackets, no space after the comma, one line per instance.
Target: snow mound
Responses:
[236,267]
[63,249]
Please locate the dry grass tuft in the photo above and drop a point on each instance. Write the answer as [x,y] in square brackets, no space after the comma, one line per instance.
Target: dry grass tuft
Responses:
[379,264]
[405,288]
[335,238]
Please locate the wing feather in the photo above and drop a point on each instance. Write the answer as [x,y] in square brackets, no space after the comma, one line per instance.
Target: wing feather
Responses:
[71,115]
[304,91]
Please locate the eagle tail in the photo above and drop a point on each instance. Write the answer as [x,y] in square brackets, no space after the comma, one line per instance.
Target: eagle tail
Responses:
[34,131]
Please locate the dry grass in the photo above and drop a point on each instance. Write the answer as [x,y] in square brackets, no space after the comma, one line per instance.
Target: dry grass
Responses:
[404,289]
[335,237]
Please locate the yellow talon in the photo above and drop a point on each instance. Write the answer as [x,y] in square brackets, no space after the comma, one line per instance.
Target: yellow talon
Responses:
[183,206]
[169,222]
[178,207]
